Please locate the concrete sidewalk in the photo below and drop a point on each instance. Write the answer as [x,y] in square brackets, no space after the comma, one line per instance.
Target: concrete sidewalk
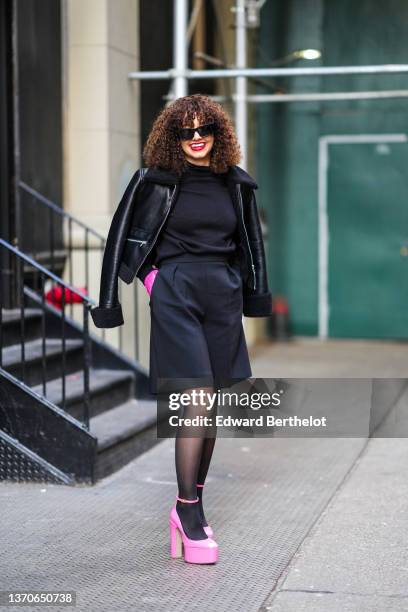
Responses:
[110,542]
[302,524]
[309,357]
[355,559]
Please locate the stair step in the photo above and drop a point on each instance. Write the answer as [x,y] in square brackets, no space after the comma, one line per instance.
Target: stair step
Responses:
[107,387]
[33,358]
[124,433]
[11,325]
[122,422]
[10,316]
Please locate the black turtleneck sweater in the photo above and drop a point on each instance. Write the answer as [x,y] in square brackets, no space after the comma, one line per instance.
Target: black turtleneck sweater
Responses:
[202,219]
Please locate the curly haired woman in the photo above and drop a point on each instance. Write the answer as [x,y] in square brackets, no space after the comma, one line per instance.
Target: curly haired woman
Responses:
[196,293]
[188,228]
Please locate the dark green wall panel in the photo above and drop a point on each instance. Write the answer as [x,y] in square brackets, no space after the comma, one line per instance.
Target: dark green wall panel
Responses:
[347,33]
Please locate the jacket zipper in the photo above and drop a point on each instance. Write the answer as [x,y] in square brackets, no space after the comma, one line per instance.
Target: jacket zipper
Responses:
[158,231]
[135,240]
[249,248]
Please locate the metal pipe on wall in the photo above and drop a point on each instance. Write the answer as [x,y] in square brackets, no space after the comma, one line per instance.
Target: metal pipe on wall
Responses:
[218,73]
[241,84]
[338,95]
[310,97]
[180,48]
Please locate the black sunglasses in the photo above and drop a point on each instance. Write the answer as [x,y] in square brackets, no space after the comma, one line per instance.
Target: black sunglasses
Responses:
[203,130]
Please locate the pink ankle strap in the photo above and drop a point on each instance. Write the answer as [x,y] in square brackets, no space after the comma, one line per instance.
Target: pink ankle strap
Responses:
[200,485]
[188,501]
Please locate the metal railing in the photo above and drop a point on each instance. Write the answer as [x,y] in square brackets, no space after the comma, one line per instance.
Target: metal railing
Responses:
[79,242]
[16,271]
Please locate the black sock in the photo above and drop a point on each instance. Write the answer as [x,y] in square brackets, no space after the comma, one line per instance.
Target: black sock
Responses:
[191,520]
[200,506]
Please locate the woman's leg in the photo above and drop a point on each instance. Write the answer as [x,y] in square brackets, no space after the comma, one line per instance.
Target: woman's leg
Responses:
[188,454]
[206,455]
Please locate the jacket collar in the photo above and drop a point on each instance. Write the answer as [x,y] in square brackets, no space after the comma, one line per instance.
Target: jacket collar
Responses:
[235,174]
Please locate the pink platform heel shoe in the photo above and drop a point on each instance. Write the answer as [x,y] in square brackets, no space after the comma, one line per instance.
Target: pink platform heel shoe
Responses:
[195,551]
[208,530]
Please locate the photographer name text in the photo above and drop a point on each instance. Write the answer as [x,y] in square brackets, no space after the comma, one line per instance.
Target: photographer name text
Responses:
[258,421]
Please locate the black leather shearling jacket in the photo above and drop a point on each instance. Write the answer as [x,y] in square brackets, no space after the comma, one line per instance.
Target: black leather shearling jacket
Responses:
[136,226]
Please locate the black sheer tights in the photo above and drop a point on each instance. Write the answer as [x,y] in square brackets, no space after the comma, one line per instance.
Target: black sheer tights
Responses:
[193,451]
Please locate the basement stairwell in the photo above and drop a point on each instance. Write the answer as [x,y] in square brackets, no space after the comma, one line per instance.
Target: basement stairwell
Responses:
[73,407]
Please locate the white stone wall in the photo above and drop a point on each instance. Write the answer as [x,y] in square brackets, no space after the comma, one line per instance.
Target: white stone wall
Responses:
[101,128]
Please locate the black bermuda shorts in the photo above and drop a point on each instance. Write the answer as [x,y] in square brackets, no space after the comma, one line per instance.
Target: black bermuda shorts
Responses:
[196,327]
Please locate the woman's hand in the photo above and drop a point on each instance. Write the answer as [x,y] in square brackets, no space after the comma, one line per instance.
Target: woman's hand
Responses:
[149,280]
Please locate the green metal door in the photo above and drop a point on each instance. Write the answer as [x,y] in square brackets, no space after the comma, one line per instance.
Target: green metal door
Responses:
[367,257]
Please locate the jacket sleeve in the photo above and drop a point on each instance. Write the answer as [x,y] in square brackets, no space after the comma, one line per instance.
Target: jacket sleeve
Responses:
[257,302]
[109,312]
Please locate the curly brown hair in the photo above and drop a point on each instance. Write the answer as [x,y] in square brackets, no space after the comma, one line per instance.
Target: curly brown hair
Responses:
[163,148]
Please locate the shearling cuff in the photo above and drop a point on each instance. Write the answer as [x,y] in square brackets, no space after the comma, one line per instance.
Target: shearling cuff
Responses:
[107,317]
[257,305]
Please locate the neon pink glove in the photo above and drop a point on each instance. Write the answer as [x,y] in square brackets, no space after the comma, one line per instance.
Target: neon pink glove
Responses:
[149,280]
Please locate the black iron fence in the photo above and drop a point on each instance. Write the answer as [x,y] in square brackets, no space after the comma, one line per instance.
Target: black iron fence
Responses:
[48,292]
[67,248]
